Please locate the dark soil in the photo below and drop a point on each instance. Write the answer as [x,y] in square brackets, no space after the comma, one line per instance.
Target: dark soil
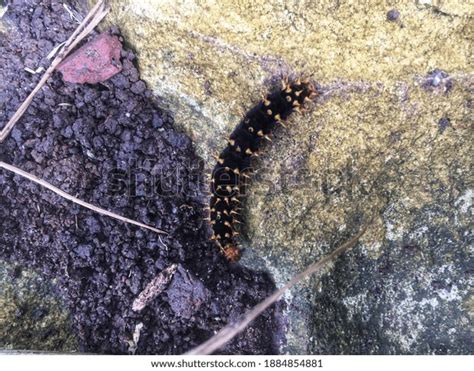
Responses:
[109,144]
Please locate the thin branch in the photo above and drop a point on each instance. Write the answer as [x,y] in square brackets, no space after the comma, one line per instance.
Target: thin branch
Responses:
[230,331]
[96,14]
[67,196]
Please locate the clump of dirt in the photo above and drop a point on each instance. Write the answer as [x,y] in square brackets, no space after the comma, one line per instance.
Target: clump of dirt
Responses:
[109,144]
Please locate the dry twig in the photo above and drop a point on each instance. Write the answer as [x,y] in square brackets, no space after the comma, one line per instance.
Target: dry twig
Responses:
[228,332]
[154,288]
[67,196]
[96,14]
[133,343]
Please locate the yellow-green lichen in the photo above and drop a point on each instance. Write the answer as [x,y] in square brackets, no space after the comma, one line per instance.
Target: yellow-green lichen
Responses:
[32,318]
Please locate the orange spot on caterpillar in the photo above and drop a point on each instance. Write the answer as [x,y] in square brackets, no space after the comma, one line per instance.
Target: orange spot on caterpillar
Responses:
[232,253]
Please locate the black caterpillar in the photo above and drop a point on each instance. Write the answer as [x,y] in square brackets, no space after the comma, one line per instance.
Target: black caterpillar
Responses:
[233,164]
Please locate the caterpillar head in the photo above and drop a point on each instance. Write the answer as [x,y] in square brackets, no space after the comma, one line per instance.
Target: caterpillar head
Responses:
[232,253]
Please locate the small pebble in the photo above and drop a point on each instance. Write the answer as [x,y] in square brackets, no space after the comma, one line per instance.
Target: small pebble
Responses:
[393,15]
[443,124]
